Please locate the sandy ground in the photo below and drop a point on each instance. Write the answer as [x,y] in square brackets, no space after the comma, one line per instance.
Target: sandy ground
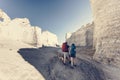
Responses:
[19,61]
[13,66]
[110,72]
[46,62]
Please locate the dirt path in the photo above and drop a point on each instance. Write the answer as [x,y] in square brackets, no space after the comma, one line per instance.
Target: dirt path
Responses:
[45,60]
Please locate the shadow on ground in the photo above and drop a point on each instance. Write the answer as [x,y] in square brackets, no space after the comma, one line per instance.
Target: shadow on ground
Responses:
[46,62]
[40,58]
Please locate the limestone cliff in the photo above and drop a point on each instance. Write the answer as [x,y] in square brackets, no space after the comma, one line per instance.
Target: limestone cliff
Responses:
[49,39]
[106,15]
[4,18]
[20,29]
[83,36]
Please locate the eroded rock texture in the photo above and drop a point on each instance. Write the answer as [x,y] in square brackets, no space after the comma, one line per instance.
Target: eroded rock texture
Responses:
[83,36]
[106,15]
[20,29]
[49,39]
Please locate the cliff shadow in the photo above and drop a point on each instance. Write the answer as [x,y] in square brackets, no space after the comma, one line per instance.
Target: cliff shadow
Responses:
[40,58]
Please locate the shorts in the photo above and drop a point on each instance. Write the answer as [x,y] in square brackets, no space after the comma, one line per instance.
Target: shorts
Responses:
[66,54]
[73,55]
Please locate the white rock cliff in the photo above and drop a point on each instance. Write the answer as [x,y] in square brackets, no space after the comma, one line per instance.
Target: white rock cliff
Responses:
[106,14]
[19,29]
[82,37]
[49,39]
[14,35]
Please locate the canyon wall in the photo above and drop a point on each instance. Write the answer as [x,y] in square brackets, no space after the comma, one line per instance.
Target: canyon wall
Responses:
[20,29]
[106,14]
[49,39]
[83,36]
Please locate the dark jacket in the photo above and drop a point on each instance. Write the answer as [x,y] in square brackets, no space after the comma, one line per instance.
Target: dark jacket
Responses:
[72,50]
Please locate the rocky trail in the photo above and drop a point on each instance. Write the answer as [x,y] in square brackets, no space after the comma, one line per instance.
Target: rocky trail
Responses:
[45,60]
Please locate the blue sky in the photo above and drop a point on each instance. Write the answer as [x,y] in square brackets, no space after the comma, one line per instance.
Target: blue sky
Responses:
[56,16]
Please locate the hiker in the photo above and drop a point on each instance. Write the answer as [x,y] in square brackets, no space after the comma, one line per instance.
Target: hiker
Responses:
[73,54]
[65,49]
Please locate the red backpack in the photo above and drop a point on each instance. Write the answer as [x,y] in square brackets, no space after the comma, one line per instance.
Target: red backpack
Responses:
[64,47]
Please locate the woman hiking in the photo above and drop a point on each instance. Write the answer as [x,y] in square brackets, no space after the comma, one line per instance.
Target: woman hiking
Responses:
[73,55]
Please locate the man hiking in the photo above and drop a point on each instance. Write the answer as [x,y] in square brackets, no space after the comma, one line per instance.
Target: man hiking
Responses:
[65,49]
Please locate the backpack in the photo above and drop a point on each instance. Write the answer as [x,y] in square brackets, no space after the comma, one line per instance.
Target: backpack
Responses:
[65,47]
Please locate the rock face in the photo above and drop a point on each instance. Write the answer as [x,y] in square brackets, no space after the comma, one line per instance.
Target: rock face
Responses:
[83,36]
[37,36]
[16,34]
[106,15]
[49,39]
[4,18]
[19,29]
[68,35]
[13,65]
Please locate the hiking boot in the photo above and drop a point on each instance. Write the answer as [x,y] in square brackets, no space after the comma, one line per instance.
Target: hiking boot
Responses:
[71,67]
[64,63]
[75,65]
[69,62]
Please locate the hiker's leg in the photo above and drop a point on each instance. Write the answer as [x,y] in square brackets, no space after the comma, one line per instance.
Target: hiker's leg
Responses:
[71,61]
[74,61]
[68,58]
[64,57]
